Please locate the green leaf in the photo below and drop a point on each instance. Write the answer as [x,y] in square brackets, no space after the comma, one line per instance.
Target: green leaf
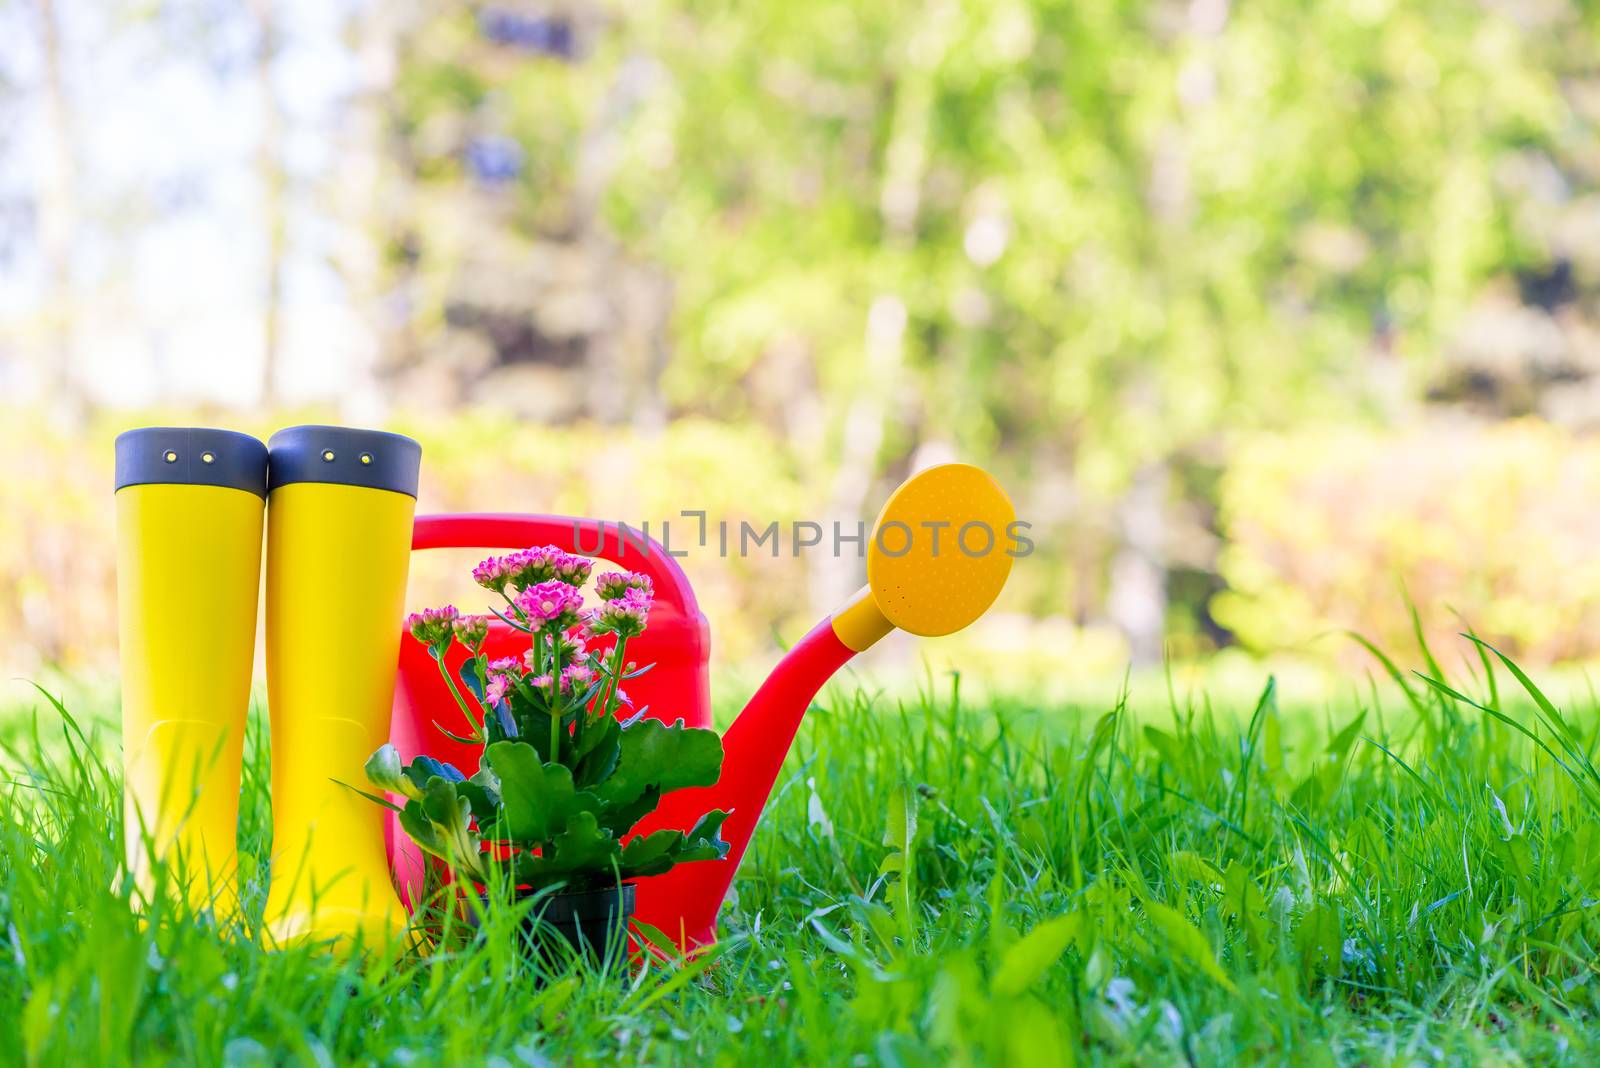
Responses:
[1342,741]
[470,679]
[1186,941]
[619,819]
[1032,955]
[537,800]
[650,854]
[900,830]
[1320,941]
[374,798]
[659,757]
[1167,746]
[449,811]
[598,752]
[1035,1037]
[384,771]
[453,736]
[583,849]
[420,829]
[424,768]
[483,791]
[704,839]
[1243,902]
[662,850]
[439,824]
[1192,866]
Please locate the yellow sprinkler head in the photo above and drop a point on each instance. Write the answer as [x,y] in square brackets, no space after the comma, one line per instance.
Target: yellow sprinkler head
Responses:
[939,555]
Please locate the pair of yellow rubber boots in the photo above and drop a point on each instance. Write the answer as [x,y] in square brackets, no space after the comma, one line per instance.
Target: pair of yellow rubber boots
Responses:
[337,505]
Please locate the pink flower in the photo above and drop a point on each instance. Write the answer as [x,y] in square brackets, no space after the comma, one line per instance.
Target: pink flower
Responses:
[433,626]
[614,584]
[624,616]
[494,573]
[502,675]
[533,566]
[553,602]
[471,631]
[541,682]
[570,649]
[573,570]
[578,676]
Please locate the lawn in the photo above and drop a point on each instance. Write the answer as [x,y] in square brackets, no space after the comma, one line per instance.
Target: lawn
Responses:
[1401,877]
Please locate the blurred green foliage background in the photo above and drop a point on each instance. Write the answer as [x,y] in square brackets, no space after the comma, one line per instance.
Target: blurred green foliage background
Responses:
[1269,315]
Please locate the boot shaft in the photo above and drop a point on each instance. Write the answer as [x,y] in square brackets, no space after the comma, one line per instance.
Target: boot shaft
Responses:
[189,505]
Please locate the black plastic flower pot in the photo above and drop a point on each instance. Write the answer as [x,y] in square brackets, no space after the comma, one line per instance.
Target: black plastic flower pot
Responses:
[589,923]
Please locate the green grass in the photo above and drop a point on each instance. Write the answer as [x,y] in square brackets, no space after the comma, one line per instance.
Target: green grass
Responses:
[1410,882]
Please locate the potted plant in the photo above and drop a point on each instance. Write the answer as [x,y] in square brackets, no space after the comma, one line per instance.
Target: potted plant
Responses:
[562,779]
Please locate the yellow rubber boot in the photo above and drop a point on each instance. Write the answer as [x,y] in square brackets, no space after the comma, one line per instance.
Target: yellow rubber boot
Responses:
[339,517]
[188,518]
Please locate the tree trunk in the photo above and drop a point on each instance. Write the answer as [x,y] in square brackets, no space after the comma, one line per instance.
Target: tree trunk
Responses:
[1137,599]
[273,179]
[55,379]
[374,201]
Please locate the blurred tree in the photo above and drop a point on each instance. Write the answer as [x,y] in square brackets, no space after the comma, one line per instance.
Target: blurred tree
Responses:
[271,175]
[55,377]
[507,138]
[1117,230]
[1085,242]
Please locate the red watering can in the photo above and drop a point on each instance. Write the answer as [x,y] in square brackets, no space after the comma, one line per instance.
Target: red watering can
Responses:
[937,558]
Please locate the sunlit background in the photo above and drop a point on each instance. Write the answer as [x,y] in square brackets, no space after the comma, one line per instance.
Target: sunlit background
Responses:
[1274,318]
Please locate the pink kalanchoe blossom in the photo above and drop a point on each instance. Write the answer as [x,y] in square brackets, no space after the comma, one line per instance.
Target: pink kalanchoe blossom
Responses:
[573,570]
[614,584]
[530,567]
[578,676]
[495,692]
[503,674]
[624,616]
[553,603]
[570,650]
[541,682]
[471,631]
[433,626]
[494,573]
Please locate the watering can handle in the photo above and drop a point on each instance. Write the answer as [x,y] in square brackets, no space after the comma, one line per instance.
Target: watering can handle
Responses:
[621,545]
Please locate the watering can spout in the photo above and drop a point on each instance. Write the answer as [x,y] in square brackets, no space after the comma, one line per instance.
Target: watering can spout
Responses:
[916,583]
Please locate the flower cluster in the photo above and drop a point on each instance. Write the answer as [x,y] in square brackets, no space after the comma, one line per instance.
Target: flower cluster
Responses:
[558,680]
[550,606]
[625,615]
[573,679]
[565,648]
[573,570]
[433,626]
[614,584]
[472,631]
[494,573]
[531,567]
